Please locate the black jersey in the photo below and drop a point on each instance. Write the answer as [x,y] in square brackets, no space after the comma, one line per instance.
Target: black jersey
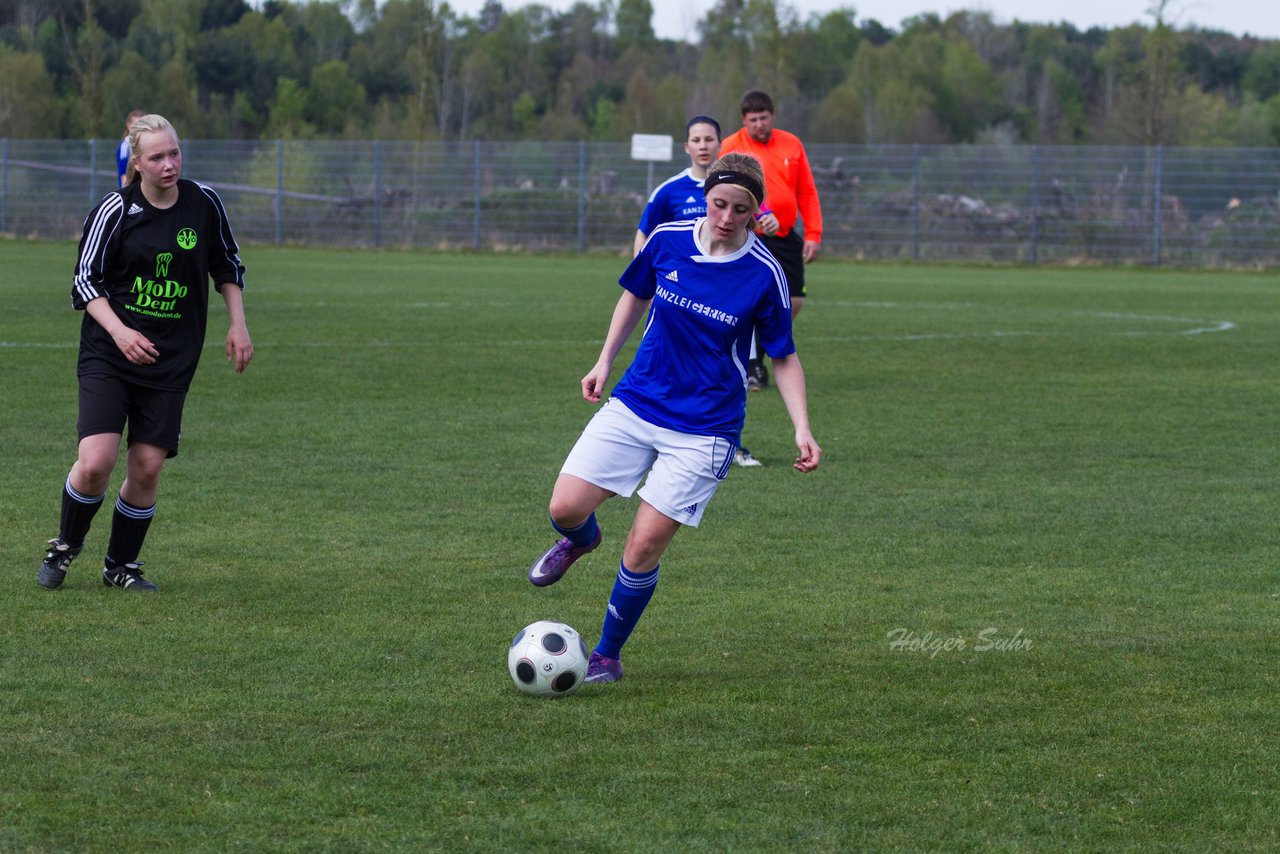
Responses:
[153,266]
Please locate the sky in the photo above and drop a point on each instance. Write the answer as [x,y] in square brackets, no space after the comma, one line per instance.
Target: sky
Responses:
[678,19]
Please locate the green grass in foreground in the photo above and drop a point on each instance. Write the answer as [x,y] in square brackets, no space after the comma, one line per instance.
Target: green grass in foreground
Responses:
[1067,460]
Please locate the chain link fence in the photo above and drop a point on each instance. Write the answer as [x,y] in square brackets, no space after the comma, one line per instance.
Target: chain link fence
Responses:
[1184,207]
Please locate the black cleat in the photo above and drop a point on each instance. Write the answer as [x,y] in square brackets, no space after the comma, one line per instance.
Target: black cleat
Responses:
[127,576]
[53,569]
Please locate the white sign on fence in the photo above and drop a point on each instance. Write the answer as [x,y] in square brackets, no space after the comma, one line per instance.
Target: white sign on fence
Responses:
[651,146]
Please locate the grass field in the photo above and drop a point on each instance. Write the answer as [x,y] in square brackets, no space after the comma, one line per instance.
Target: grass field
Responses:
[1029,602]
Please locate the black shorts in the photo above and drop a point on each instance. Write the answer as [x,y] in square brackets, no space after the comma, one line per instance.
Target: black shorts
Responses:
[789,251]
[154,415]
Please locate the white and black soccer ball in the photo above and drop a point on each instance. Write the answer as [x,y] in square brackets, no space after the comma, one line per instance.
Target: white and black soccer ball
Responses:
[547,659]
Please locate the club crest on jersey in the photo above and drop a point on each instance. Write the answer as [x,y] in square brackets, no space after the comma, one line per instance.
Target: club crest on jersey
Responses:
[187,238]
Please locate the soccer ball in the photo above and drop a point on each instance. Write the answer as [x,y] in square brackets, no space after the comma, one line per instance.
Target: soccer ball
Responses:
[547,659]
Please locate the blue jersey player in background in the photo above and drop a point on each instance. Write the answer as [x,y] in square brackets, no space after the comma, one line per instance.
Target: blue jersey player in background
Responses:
[675,417]
[122,150]
[681,196]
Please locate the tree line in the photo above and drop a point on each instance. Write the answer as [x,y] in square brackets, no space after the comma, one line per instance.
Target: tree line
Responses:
[418,70]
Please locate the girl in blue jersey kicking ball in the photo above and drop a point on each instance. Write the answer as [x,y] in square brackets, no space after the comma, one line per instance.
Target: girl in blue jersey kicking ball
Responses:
[676,414]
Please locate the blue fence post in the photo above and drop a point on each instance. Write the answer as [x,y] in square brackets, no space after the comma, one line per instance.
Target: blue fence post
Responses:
[1156,223]
[378,193]
[582,196]
[279,191]
[915,204]
[475,225]
[1035,204]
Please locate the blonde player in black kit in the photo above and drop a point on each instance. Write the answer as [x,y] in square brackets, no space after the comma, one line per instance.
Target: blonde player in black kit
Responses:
[142,278]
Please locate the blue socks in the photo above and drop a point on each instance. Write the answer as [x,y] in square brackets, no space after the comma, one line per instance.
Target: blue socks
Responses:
[631,593]
[583,535]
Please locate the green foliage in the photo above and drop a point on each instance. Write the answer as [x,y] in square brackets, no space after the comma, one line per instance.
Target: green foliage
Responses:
[891,84]
[840,116]
[164,30]
[635,24]
[968,96]
[673,107]
[824,49]
[131,85]
[1262,76]
[1070,123]
[328,33]
[334,100]
[28,104]
[287,117]
[596,70]
[525,113]
[603,119]
[1055,455]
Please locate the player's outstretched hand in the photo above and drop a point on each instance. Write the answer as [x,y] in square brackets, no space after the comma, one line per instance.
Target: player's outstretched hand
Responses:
[810,453]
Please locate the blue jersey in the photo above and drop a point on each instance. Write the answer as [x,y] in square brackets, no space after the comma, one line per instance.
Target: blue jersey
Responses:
[689,371]
[679,197]
[122,158]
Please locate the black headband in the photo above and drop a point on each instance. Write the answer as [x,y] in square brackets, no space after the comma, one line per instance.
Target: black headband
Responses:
[746,182]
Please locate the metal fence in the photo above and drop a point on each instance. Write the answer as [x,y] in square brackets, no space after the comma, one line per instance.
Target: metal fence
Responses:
[1186,207]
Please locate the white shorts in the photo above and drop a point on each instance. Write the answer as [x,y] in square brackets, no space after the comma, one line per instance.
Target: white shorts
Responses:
[618,447]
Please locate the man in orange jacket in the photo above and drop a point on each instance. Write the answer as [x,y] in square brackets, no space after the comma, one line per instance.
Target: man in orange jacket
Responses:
[789,191]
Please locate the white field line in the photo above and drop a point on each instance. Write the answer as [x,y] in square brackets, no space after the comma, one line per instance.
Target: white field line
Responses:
[1198,327]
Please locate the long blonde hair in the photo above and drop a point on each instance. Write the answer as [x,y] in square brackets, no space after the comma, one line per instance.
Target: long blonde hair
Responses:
[150,123]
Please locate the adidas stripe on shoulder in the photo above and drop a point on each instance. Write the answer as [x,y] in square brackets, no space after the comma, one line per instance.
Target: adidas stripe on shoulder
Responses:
[658,189]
